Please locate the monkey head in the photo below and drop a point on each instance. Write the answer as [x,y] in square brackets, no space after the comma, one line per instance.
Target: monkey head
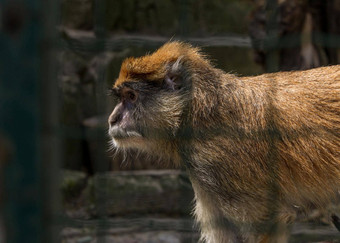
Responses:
[152,93]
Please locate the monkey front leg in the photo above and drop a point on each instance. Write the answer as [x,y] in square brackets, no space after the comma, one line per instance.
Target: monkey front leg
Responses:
[277,237]
[219,229]
[224,234]
[219,233]
[279,232]
[215,228]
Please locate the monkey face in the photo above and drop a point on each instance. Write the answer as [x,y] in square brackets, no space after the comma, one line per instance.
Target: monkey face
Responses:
[153,92]
[147,113]
[122,125]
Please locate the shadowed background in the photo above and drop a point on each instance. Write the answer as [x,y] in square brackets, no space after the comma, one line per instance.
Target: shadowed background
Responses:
[58,58]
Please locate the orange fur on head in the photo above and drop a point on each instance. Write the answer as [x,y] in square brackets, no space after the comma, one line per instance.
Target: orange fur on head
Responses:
[153,67]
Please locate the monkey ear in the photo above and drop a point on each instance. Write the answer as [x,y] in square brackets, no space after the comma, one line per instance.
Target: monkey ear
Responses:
[172,77]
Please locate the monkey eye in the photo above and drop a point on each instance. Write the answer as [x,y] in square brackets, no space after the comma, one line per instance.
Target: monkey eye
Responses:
[131,95]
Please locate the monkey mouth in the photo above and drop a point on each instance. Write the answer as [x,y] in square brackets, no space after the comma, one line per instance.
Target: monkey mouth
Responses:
[116,133]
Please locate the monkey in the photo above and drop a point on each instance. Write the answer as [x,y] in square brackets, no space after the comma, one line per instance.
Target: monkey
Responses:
[258,150]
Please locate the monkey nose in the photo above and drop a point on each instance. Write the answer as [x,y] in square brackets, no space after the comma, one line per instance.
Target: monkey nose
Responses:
[114,119]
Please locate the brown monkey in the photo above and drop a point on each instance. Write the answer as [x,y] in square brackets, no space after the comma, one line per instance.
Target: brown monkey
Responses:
[257,149]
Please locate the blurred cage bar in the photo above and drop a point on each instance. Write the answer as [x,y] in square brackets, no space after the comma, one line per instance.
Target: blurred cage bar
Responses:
[30,155]
[32,105]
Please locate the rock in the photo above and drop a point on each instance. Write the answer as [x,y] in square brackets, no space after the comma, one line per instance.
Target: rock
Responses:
[157,192]
[73,235]
[77,14]
[166,17]
[155,230]
[75,193]
[73,184]
[166,192]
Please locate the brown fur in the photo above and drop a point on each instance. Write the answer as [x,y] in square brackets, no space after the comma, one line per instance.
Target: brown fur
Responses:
[257,149]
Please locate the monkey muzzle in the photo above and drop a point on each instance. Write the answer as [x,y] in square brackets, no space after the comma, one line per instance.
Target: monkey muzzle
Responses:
[117,133]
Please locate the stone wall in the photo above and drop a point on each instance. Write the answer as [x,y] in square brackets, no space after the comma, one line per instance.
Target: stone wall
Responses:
[148,192]
[166,17]
[149,206]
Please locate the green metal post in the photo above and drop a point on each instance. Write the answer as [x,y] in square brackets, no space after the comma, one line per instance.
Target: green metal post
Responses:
[21,68]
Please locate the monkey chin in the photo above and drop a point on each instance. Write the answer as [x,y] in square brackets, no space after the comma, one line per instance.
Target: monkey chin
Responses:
[128,142]
[125,139]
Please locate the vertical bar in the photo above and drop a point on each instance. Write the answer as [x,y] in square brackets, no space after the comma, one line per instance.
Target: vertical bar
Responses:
[101,31]
[50,149]
[183,17]
[272,27]
[100,27]
[20,111]
[272,65]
